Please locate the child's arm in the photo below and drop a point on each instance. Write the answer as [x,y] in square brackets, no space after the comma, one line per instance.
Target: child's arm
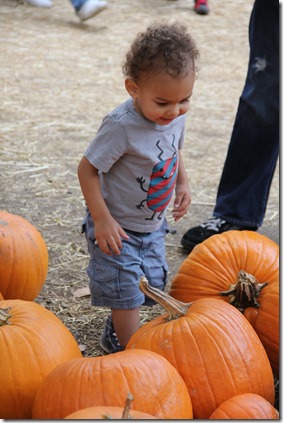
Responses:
[108,232]
[182,192]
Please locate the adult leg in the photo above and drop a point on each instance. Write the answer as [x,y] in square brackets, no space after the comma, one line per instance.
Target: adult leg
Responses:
[86,9]
[253,150]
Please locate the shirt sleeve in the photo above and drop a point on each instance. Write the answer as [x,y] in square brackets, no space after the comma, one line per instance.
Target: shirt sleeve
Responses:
[109,144]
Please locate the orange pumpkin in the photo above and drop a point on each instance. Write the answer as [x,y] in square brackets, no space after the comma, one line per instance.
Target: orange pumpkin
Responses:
[24,258]
[107,413]
[240,267]
[265,321]
[33,341]
[213,347]
[213,265]
[245,407]
[85,382]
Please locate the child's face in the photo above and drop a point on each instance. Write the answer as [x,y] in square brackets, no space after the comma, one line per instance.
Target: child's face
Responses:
[161,98]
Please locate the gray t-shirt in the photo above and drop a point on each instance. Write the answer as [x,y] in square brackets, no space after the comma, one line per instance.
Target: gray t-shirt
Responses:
[137,162]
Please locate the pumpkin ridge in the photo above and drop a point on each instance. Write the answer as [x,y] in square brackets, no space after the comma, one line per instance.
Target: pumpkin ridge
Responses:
[216,260]
[210,332]
[207,382]
[230,256]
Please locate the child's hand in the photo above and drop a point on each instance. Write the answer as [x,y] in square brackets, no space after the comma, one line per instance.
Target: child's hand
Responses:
[108,234]
[182,202]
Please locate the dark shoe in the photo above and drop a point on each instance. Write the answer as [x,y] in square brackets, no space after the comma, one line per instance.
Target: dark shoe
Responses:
[109,341]
[201,7]
[212,226]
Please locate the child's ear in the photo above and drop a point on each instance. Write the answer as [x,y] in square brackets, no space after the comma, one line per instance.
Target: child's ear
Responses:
[131,87]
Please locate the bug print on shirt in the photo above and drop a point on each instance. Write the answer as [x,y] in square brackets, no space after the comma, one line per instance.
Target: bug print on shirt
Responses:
[162,183]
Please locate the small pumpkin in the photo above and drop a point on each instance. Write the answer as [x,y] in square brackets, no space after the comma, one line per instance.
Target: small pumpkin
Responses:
[24,258]
[213,347]
[109,413]
[242,268]
[245,407]
[85,382]
[33,341]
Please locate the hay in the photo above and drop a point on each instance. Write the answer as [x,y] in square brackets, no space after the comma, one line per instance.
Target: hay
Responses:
[59,78]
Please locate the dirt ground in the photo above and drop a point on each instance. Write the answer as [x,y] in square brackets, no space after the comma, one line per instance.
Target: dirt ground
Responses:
[59,77]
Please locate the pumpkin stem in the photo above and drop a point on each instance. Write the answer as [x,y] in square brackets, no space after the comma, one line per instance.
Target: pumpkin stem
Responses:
[5,316]
[173,307]
[244,292]
[126,411]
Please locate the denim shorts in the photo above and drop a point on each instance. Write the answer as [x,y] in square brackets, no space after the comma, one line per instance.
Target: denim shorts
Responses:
[114,280]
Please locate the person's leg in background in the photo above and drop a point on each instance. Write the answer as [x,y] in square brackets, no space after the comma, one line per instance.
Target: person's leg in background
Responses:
[254,146]
[201,7]
[85,9]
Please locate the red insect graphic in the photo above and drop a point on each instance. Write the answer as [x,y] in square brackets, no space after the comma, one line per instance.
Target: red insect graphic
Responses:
[162,183]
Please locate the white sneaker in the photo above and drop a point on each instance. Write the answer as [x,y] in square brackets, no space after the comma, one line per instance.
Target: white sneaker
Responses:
[90,8]
[40,3]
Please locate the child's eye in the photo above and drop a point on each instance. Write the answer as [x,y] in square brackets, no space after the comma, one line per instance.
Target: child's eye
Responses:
[161,104]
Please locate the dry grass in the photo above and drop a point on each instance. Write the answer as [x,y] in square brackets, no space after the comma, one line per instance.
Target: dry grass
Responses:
[58,79]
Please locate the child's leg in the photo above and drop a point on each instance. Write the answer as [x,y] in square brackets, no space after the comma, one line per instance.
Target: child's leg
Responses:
[126,323]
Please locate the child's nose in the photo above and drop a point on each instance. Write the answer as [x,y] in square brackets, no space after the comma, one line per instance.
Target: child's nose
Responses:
[173,110]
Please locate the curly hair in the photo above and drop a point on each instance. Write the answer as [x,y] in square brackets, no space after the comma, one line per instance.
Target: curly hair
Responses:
[162,47]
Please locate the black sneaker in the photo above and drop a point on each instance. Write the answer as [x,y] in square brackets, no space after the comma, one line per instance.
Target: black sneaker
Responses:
[212,226]
[109,341]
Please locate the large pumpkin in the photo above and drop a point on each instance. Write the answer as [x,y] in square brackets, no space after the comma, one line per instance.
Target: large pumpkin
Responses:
[213,265]
[245,407]
[240,267]
[33,341]
[23,258]
[213,347]
[155,384]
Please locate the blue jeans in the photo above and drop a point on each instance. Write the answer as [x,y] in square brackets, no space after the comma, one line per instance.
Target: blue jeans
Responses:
[77,4]
[254,145]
